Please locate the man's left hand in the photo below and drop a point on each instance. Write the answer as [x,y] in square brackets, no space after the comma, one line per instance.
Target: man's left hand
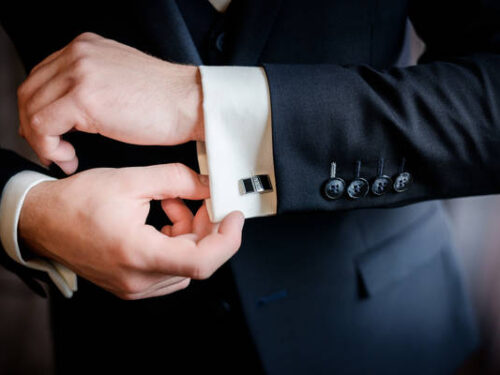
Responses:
[97,85]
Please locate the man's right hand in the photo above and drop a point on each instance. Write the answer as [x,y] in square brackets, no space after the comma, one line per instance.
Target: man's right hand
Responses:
[94,223]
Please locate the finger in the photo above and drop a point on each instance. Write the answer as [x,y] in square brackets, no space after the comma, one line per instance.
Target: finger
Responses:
[227,237]
[164,281]
[169,181]
[161,291]
[169,289]
[180,215]
[179,256]
[47,60]
[47,94]
[143,281]
[56,118]
[202,226]
[55,149]
[49,149]
[45,129]
[41,74]
[159,281]
[68,167]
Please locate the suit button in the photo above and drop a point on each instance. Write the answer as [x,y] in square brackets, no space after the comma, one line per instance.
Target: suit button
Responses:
[358,188]
[219,42]
[381,185]
[402,182]
[334,188]
[226,307]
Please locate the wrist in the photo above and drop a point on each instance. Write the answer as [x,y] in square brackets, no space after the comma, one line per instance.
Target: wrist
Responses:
[199,124]
[191,112]
[31,217]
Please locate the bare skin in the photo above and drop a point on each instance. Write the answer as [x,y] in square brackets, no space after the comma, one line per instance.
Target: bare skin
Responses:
[93,222]
[97,85]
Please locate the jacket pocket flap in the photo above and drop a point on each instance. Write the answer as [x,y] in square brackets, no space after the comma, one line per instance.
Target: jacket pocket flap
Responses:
[397,257]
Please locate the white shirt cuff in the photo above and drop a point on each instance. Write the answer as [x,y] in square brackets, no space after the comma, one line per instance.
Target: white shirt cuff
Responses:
[238,139]
[11,202]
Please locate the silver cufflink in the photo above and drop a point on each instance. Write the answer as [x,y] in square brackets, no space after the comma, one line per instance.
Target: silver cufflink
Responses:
[256,184]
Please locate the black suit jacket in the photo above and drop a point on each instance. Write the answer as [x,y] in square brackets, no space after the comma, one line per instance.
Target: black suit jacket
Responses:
[325,286]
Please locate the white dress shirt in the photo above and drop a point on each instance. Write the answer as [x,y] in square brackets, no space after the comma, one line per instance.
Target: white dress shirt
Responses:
[238,145]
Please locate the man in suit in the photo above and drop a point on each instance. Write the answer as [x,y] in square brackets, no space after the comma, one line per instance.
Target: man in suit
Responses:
[304,121]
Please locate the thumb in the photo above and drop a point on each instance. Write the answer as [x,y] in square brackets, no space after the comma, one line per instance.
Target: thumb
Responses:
[170,181]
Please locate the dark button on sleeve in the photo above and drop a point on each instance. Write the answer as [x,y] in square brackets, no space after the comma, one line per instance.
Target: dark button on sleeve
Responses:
[402,182]
[334,188]
[358,188]
[381,185]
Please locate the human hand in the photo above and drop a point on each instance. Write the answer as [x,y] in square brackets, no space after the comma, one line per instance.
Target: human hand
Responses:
[94,223]
[97,85]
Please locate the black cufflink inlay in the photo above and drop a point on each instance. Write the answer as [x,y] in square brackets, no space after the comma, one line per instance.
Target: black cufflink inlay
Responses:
[256,184]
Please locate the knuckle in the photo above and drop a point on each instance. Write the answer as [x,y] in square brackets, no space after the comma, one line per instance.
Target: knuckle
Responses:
[129,285]
[78,48]
[126,296]
[178,168]
[87,35]
[82,98]
[176,171]
[128,259]
[22,91]
[81,44]
[236,243]
[44,150]
[200,272]
[34,121]
[82,67]
[123,256]
[80,94]
[30,110]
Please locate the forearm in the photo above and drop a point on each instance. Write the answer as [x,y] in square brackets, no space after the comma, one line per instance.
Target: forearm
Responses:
[442,118]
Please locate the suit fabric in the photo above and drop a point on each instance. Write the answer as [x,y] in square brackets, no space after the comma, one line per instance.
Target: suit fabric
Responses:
[347,286]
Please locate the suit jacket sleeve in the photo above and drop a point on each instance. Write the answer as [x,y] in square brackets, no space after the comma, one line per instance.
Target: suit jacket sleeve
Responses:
[442,117]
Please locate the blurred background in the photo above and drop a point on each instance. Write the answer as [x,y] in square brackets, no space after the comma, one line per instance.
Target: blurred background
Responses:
[25,345]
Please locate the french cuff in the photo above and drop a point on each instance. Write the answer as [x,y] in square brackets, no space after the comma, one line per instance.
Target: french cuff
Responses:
[238,141]
[11,202]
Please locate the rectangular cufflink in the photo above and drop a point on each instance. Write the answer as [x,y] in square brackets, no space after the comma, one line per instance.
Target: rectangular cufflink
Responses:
[256,184]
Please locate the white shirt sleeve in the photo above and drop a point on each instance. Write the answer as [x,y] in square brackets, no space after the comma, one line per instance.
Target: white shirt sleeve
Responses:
[238,139]
[11,202]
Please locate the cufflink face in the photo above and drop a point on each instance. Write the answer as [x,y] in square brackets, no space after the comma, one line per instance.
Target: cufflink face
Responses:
[334,188]
[358,188]
[402,182]
[381,185]
[255,184]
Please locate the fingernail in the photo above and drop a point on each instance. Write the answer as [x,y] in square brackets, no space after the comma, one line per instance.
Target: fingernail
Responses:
[204,179]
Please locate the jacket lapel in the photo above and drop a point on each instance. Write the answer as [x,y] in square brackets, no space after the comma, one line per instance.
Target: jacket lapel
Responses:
[165,32]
